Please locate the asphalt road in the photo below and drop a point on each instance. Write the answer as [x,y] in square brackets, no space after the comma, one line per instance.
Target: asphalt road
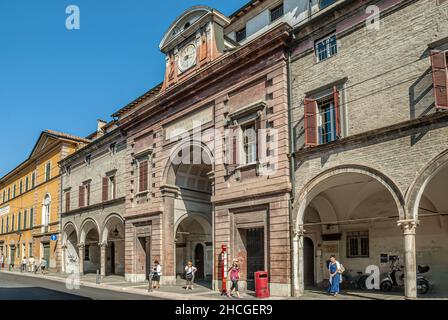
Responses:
[14,287]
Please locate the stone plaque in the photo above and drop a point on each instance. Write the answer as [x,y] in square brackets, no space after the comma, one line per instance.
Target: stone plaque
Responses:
[189,123]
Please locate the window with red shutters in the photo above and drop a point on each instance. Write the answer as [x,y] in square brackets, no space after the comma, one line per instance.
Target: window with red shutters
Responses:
[87,186]
[310,122]
[439,63]
[67,201]
[143,176]
[81,196]
[105,189]
[337,112]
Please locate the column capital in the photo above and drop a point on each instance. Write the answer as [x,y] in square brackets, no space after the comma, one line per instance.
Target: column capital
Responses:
[102,244]
[300,232]
[81,245]
[409,226]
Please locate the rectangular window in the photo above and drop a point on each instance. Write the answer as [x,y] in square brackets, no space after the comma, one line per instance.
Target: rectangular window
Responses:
[358,245]
[67,201]
[31,218]
[48,171]
[241,35]
[7,224]
[326,48]
[27,181]
[20,187]
[112,187]
[323,118]
[30,253]
[249,143]
[25,216]
[327,127]
[276,13]
[87,193]
[143,176]
[14,191]
[13,224]
[19,221]
[33,180]
[88,160]
[3,225]
[325,3]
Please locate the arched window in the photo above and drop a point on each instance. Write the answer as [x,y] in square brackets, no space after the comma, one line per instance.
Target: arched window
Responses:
[46,210]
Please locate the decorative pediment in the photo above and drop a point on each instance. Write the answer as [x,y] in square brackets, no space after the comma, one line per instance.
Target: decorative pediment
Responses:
[188,23]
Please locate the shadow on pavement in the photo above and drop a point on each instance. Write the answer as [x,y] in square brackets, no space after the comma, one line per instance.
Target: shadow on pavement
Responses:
[36,293]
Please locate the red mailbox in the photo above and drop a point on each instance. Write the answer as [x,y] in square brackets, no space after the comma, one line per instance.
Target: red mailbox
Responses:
[262,285]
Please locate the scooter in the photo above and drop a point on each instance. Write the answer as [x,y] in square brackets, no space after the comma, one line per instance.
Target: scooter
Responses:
[397,273]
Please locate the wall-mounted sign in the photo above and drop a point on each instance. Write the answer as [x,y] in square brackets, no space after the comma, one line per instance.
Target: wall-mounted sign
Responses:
[188,123]
[54,237]
[4,210]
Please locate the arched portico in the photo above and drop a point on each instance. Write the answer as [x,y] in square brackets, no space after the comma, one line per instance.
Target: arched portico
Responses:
[352,211]
[187,199]
[426,200]
[113,246]
[89,247]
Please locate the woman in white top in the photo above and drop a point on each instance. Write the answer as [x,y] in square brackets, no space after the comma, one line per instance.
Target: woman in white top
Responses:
[189,275]
[156,274]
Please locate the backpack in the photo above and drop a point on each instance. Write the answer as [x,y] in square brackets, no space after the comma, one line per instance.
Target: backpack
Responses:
[341,268]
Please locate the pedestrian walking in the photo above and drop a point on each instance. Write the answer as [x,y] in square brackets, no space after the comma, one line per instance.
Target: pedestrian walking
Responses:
[23,265]
[31,264]
[156,274]
[335,271]
[42,266]
[234,273]
[190,272]
[2,261]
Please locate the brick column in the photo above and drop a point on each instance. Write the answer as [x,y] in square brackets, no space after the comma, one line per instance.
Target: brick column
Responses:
[103,247]
[169,194]
[81,248]
[410,261]
[298,267]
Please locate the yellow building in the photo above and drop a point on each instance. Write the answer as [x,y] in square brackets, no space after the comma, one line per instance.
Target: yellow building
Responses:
[29,202]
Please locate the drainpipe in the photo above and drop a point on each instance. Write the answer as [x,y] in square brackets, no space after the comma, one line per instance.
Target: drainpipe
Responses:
[292,164]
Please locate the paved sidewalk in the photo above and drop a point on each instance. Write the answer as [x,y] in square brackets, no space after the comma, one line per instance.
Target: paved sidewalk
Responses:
[118,284]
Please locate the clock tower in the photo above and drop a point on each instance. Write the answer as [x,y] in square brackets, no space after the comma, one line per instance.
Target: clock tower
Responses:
[193,40]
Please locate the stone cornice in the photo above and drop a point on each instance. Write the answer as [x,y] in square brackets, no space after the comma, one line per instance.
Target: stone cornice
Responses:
[392,132]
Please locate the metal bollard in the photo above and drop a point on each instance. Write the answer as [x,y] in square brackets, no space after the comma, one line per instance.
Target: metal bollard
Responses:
[98,277]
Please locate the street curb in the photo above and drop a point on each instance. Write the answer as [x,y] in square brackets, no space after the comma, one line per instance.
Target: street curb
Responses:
[162,295]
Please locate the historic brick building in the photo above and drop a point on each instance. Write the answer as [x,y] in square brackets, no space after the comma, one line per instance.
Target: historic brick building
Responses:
[227,181]
[369,102]
[93,204]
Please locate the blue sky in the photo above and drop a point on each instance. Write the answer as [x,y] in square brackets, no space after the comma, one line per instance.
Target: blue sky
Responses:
[53,78]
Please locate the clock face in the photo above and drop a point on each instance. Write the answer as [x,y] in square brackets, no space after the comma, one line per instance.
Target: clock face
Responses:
[187,57]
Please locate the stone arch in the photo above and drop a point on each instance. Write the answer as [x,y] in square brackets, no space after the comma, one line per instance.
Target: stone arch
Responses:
[87,226]
[201,219]
[317,185]
[69,226]
[169,173]
[106,226]
[418,186]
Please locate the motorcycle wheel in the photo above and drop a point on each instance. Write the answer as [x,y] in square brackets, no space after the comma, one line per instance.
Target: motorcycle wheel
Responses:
[362,282]
[386,286]
[422,286]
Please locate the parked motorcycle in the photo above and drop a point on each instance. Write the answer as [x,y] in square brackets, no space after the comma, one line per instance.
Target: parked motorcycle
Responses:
[396,276]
